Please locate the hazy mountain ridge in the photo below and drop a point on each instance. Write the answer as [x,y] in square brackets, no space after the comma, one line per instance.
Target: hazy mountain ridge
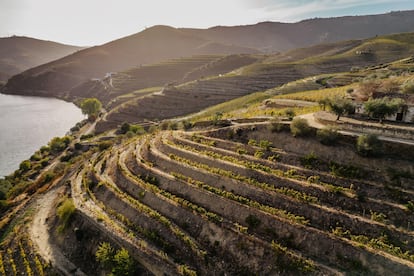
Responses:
[18,53]
[159,43]
[275,36]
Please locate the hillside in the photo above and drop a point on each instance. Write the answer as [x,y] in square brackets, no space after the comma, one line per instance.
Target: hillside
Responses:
[159,43]
[265,73]
[149,46]
[18,54]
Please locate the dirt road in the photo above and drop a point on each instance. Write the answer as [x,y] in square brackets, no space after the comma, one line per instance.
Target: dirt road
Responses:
[39,233]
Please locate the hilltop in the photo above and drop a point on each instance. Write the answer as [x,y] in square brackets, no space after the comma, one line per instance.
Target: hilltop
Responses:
[18,54]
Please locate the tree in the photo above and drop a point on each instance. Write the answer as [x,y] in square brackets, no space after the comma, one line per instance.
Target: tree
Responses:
[382,107]
[91,107]
[341,106]
[324,102]
[25,165]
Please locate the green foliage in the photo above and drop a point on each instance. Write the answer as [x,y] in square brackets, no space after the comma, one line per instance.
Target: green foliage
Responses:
[382,107]
[265,145]
[368,145]
[91,107]
[105,254]
[25,165]
[58,144]
[341,106]
[347,171]
[133,129]
[290,113]
[104,145]
[324,102]
[4,205]
[408,87]
[118,262]
[275,125]
[310,161]
[186,125]
[300,127]
[124,264]
[327,136]
[65,212]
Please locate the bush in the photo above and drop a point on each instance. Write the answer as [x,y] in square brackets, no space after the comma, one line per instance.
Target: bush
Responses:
[408,87]
[290,113]
[275,125]
[327,136]
[105,145]
[300,127]
[65,212]
[368,145]
[25,165]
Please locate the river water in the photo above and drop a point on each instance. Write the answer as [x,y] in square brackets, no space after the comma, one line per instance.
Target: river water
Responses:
[27,123]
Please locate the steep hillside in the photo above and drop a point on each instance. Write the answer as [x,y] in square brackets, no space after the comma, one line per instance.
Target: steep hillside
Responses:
[150,46]
[18,54]
[266,73]
[274,36]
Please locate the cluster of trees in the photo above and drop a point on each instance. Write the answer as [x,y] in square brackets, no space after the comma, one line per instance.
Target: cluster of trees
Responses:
[376,108]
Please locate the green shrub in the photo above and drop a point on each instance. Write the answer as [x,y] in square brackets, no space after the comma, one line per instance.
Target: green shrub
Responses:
[105,145]
[408,87]
[65,212]
[327,136]
[105,254]
[265,145]
[275,125]
[25,165]
[310,161]
[119,262]
[290,113]
[368,145]
[300,127]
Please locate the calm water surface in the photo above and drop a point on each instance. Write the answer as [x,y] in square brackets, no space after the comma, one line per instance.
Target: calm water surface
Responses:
[27,123]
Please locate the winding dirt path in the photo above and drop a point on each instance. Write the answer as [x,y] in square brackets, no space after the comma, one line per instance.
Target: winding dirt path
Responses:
[39,233]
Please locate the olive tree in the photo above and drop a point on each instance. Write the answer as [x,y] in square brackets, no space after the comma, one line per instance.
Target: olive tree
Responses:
[91,107]
[383,107]
[341,106]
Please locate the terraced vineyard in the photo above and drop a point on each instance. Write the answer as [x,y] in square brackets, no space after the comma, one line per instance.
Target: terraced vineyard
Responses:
[23,261]
[213,202]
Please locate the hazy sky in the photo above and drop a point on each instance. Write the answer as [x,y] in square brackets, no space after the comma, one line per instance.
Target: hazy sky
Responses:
[93,22]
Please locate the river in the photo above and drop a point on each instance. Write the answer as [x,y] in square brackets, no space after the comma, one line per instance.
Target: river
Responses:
[27,123]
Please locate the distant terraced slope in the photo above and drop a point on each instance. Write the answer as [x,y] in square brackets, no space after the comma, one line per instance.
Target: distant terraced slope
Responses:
[266,73]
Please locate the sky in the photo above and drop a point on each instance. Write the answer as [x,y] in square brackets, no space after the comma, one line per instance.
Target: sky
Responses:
[94,22]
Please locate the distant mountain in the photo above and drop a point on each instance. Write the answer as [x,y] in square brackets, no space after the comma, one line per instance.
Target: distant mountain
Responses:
[159,43]
[274,36]
[18,54]
[149,46]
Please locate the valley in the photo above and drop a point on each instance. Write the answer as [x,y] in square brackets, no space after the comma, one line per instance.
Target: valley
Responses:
[220,163]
